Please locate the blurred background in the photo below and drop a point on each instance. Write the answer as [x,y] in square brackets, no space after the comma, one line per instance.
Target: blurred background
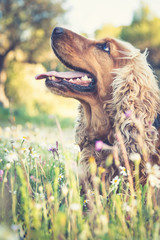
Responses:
[25,29]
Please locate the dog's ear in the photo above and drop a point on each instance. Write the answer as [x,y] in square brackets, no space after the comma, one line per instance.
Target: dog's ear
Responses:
[135,100]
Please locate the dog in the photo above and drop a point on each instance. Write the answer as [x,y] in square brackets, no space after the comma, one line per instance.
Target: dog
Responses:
[118,95]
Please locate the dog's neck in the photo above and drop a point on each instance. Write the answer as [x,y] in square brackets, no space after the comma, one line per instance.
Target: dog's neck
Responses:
[96,121]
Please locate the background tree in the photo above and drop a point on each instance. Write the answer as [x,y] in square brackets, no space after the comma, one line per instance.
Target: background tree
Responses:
[144,33]
[26,25]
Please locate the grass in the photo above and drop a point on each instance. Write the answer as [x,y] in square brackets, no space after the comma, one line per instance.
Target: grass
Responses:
[41,199]
[19,115]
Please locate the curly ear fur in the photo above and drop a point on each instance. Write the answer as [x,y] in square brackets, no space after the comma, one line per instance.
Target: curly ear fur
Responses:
[135,90]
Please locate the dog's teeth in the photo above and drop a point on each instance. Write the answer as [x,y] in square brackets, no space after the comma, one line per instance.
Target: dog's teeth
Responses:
[71,80]
[86,78]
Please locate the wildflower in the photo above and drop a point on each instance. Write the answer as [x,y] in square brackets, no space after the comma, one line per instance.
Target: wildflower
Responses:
[60,177]
[51,199]
[25,138]
[1,173]
[85,202]
[99,145]
[35,155]
[126,207]
[15,227]
[123,171]
[64,190]
[40,188]
[92,159]
[54,150]
[115,181]
[8,166]
[11,157]
[5,180]
[153,174]
[128,113]
[75,207]
[34,179]
[101,170]
[135,157]
[38,205]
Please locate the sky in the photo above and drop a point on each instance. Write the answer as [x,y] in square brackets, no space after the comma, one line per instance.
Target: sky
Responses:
[85,16]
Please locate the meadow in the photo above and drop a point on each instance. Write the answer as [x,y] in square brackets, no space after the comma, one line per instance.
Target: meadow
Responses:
[40,195]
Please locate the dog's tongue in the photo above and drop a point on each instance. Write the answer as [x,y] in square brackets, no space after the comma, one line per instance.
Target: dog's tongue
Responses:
[66,75]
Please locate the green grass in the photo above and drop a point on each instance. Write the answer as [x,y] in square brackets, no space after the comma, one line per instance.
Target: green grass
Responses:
[40,193]
[20,116]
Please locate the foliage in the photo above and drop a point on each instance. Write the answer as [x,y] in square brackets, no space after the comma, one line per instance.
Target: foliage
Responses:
[23,90]
[109,31]
[41,199]
[143,33]
[28,23]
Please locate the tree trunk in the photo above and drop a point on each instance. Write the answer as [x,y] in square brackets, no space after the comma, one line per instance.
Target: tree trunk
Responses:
[3,99]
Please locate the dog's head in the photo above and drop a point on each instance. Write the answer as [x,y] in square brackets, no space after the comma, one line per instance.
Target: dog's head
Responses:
[109,77]
[93,63]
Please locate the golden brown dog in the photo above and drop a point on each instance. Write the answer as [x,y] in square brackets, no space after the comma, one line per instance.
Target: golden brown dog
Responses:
[118,93]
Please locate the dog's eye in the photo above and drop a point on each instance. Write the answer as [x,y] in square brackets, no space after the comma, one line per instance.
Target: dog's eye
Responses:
[104,46]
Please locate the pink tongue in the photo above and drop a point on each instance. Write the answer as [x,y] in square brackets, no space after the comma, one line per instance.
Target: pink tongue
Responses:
[67,75]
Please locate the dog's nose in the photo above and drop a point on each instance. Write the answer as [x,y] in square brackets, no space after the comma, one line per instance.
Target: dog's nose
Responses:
[57,31]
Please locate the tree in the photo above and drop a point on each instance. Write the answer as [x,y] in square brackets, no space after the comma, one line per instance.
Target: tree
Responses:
[26,24]
[144,33]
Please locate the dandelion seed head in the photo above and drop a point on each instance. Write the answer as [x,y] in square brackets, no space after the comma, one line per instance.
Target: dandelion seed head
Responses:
[8,166]
[135,157]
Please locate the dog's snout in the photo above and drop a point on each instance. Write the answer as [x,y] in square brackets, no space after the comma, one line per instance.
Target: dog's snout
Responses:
[57,31]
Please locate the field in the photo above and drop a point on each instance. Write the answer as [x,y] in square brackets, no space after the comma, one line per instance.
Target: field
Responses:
[41,198]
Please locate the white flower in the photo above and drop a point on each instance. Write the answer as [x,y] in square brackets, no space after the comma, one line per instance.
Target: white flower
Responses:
[115,181]
[126,207]
[153,174]
[8,166]
[60,177]
[85,202]
[123,171]
[11,157]
[135,157]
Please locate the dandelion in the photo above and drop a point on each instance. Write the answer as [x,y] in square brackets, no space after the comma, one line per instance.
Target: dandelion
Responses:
[135,157]
[51,199]
[64,190]
[40,188]
[8,166]
[115,181]
[153,174]
[123,171]
[99,145]
[11,157]
[101,170]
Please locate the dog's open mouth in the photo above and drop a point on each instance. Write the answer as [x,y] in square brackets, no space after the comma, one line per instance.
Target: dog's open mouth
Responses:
[74,80]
